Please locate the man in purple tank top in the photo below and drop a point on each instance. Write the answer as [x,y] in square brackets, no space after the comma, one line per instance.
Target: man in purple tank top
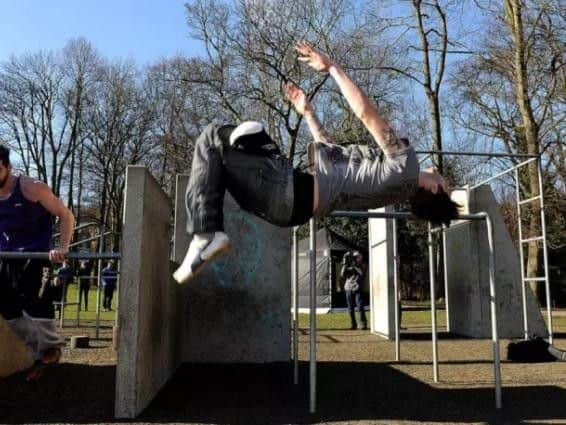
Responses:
[27,209]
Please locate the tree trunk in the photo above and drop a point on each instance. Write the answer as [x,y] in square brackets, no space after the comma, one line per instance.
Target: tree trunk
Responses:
[513,12]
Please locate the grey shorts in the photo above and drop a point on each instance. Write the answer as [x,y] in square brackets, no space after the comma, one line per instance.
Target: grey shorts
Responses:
[358,177]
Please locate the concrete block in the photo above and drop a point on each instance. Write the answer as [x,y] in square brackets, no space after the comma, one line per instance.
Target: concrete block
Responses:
[468,276]
[80,341]
[148,318]
[14,354]
[381,268]
[238,308]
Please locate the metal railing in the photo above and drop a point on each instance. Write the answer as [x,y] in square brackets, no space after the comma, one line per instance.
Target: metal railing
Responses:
[62,303]
[312,302]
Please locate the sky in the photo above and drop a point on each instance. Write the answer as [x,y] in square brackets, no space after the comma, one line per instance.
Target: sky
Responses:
[142,30]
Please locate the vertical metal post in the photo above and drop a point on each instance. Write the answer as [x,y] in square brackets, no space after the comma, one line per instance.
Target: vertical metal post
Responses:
[433,304]
[545,255]
[446,299]
[78,301]
[295,278]
[396,291]
[493,305]
[521,256]
[62,305]
[312,316]
[117,297]
[99,280]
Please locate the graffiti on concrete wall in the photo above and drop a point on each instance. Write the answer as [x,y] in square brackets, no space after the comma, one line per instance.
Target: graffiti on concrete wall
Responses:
[241,264]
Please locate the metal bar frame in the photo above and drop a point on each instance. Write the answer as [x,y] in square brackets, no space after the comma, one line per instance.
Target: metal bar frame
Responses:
[541,238]
[508,170]
[312,315]
[396,291]
[408,216]
[295,276]
[446,297]
[99,281]
[432,280]
[70,255]
[487,154]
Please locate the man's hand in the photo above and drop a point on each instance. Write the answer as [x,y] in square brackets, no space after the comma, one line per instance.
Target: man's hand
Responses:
[312,57]
[430,180]
[298,98]
[57,255]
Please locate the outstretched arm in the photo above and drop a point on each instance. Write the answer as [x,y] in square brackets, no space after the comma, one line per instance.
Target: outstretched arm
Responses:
[302,105]
[380,129]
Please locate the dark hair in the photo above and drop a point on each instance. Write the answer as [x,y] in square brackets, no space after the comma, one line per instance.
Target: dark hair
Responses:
[4,155]
[437,208]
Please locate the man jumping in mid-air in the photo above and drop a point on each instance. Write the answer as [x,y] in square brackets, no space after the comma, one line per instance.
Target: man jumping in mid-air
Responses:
[245,161]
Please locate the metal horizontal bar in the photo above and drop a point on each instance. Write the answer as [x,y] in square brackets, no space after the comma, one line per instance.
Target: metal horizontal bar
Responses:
[70,255]
[536,238]
[524,201]
[490,154]
[401,215]
[535,279]
[503,173]
[451,227]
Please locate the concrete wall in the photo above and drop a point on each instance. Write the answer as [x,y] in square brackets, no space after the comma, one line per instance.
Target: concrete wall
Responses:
[149,326]
[468,276]
[238,308]
[381,265]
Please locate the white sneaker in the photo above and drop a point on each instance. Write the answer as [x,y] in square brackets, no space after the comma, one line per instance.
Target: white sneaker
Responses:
[203,249]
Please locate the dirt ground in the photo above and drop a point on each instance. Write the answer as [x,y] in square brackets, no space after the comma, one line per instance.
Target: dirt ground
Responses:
[358,382]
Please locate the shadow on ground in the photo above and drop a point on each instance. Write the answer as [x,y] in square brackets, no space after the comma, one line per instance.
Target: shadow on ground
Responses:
[265,394]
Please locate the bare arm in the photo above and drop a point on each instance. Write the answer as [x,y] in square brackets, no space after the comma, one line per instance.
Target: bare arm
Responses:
[40,192]
[378,127]
[299,100]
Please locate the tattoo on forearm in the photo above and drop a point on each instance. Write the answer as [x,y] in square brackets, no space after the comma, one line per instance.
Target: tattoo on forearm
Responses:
[392,142]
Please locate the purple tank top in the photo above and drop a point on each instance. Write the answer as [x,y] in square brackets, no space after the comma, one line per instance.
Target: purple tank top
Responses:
[24,225]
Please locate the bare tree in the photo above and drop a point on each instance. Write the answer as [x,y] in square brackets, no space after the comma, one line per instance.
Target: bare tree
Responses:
[511,92]
[118,121]
[250,55]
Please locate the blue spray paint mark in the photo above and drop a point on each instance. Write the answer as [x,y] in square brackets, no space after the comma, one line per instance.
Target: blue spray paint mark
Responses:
[243,262]
[270,319]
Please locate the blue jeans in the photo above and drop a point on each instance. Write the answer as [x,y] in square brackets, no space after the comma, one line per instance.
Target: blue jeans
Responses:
[262,185]
[354,299]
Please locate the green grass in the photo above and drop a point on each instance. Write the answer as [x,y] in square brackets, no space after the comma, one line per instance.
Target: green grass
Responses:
[71,310]
[412,318]
[341,320]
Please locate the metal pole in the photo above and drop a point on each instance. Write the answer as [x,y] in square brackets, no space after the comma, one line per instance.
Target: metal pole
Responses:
[446,301]
[402,215]
[521,256]
[99,281]
[312,316]
[396,291]
[545,256]
[70,255]
[433,305]
[488,154]
[62,304]
[78,301]
[502,173]
[295,278]
[117,297]
[493,305]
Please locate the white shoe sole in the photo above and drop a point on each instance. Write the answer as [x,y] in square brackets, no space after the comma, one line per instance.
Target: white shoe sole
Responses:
[183,278]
